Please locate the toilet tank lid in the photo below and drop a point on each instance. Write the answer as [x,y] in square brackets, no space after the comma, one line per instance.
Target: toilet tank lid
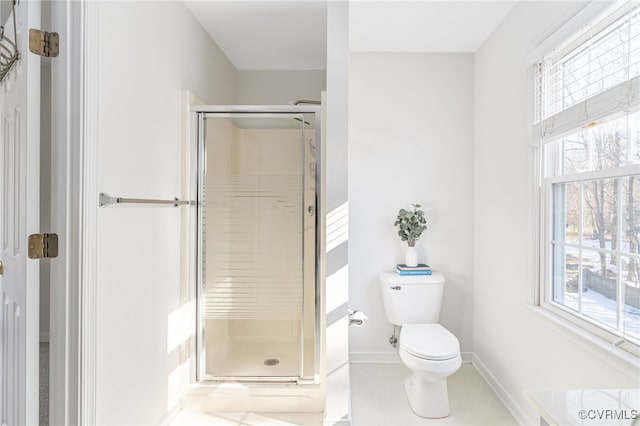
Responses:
[394,278]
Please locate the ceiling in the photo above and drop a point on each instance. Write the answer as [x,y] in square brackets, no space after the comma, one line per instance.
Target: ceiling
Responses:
[267,34]
[291,35]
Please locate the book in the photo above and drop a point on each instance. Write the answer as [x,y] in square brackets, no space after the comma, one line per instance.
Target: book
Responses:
[419,272]
[420,267]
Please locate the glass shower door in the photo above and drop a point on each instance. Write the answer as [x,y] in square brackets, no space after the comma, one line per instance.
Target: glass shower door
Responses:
[257,246]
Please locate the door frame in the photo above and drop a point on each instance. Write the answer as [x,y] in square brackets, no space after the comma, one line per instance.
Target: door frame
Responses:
[74,207]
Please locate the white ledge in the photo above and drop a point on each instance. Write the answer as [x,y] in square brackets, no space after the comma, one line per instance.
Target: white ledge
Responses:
[586,406]
[585,337]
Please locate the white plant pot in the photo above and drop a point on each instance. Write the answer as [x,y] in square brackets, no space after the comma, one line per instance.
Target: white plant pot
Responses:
[411,257]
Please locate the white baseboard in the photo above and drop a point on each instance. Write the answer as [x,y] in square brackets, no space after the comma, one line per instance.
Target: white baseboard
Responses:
[374,358]
[509,402]
[339,422]
[389,357]
[44,337]
[168,418]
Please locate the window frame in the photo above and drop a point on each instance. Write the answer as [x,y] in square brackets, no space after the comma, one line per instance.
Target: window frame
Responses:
[613,337]
[603,106]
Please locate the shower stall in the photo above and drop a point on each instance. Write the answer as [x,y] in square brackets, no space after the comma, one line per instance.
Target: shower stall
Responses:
[258,249]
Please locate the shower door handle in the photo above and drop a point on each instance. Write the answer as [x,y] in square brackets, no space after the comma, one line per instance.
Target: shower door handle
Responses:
[311,210]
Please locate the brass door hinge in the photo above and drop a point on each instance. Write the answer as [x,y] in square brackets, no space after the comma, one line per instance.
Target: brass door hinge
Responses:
[43,43]
[43,246]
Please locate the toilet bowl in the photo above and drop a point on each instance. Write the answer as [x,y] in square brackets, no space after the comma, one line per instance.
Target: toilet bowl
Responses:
[432,353]
[428,349]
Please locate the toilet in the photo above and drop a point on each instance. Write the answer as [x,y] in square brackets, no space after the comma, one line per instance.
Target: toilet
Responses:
[428,349]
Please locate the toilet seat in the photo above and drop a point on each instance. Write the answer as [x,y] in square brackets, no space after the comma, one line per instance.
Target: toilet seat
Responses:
[429,342]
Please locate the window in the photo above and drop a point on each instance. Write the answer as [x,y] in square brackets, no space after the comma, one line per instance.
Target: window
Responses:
[587,96]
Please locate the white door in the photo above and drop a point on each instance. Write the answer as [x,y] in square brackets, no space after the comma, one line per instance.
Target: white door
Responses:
[19,212]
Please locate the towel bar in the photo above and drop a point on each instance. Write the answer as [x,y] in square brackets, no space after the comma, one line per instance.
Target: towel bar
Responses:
[106,200]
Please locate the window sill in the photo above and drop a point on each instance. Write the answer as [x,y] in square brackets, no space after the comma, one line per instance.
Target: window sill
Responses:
[594,344]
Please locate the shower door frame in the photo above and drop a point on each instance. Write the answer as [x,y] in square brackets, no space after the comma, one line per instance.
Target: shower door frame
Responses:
[198,115]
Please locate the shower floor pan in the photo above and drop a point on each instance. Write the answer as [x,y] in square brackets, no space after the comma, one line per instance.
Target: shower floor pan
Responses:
[255,360]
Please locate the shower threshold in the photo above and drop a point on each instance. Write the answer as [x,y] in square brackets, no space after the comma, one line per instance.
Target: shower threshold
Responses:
[258,396]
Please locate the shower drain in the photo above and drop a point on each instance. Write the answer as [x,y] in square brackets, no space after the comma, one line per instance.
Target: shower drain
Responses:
[270,362]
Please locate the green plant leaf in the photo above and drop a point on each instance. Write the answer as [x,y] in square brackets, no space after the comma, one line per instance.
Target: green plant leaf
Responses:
[411,224]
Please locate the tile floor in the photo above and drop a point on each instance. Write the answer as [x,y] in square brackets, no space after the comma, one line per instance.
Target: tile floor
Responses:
[378,399]
[192,418]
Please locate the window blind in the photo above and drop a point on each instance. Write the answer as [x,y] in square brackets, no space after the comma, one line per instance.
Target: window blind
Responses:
[595,75]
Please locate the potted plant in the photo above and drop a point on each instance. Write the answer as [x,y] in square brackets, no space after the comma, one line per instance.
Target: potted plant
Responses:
[411,224]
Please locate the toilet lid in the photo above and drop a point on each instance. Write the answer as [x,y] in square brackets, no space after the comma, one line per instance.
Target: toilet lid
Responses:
[429,341]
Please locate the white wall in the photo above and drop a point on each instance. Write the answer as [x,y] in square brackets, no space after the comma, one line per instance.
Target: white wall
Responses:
[278,87]
[144,318]
[336,207]
[522,349]
[410,141]
[149,53]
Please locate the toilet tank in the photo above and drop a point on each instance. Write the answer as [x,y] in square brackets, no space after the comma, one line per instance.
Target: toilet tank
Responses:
[413,299]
